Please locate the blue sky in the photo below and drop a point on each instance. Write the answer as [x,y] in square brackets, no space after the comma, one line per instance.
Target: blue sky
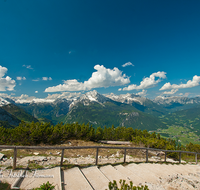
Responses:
[51,47]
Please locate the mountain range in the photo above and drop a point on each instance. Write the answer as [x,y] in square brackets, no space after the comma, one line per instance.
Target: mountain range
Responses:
[127,110]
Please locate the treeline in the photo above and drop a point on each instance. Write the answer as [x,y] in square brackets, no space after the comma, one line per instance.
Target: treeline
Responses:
[45,133]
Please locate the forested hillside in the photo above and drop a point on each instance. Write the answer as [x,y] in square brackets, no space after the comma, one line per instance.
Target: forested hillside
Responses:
[113,113]
[19,113]
[37,134]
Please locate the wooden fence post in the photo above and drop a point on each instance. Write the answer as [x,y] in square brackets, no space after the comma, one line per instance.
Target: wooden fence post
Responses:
[146,155]
[15,158]
[97,152]
[124,155]
[179,157]
[62,155]
[165,156]
[97,156]
[196,158]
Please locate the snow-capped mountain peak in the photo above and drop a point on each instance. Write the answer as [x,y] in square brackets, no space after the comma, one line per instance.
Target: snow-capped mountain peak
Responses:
[127,98]
[176,99]
[94,96]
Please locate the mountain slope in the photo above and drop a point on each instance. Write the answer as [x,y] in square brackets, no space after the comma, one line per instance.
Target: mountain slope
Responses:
[53,112]
[7,119]
[141,103]
[183,126]
[96,109]
[189,118]
[112,113]
[176,103]
[19,113]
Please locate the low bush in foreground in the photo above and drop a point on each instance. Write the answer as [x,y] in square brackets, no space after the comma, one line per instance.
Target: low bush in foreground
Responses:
[125,186]
[4,186]
[46,186]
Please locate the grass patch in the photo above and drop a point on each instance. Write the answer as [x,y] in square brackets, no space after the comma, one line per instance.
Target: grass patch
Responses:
[5,186]
[182,135]
[35,166]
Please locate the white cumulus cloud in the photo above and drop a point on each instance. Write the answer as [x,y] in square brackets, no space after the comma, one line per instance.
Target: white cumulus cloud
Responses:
[27,66]
[143,92]
[173,91]
[4,95]
[46,78]
[24,98]
[147,82]
[36,80]
[36,91]
[66,95]
[127,64]
[190,83]
[21,78]
[103,77]
[6,83]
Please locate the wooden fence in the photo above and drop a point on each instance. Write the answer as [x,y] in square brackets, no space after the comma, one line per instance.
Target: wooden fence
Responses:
[93,147]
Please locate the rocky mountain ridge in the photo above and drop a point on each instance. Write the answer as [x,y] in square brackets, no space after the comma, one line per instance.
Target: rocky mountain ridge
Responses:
[176,99]
[97,109]
[94,96]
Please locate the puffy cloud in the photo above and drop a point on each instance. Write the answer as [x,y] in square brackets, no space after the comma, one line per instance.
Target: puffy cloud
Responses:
[36,91]
[53,96]
[127,64]
[43,78]
[27,66]
[173,91]
[4,95]
[66,95]
[190,83]
[21,78]
[147,82]
[46,78]
[103,77]
[187,94]
[36,80]
[6,83]
[24,98]
[144,92]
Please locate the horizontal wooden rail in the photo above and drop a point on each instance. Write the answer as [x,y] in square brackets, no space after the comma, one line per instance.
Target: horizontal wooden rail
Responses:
[97,150]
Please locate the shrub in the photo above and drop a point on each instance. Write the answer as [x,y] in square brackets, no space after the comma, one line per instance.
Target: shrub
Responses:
[125,186]
[46,186]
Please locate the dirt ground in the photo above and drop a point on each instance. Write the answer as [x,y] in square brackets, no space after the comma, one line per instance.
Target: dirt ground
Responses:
[74,153]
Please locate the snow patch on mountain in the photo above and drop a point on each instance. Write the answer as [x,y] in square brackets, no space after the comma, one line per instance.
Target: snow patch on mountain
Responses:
[127,98]
[72,99]
[93,96]
[176,99]
[3,102]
